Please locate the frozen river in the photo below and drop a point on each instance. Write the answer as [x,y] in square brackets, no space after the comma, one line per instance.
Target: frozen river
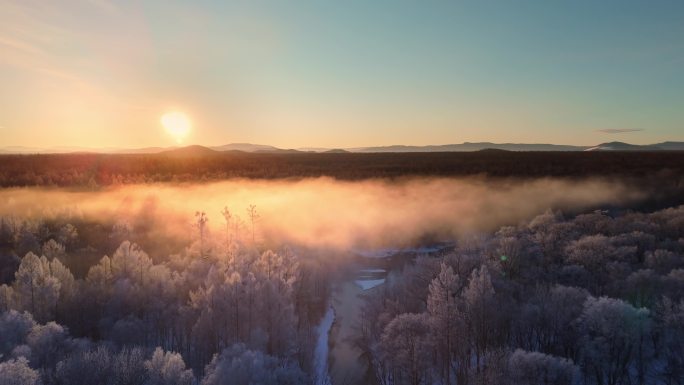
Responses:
[336,358]
[344,364]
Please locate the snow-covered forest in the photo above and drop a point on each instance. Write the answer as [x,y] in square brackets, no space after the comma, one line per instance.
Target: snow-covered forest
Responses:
[220,312]
[595,298]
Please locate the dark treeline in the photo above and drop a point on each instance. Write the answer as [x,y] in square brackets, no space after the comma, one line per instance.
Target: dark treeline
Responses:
[592,299]
[92,170]
[219,310]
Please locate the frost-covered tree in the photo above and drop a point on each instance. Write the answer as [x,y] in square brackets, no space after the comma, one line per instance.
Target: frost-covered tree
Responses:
[545,322]
[551,234]
[673,284]
[590,251]
[62,273]
[221,305]
[239,366]
[237,295]
[122,230]
[101,275]
[9,262]
[614,338]
[18,372]
[6,297]
[6,233]
[201,224]
[534,368]
[128,331]
[270,264]
[130,261]
[670,317]
[276,315]
[447,321]
[48,344]
[67,235]
[641,288]
[26,242]
[253,217]
[512,250]
[128,367]
[53,249]
[663,261]
[406,346]
[36,289]
[597,254]
[228,218]
[67,284]
[167,368]
[14,327]
[480,311]
[101,366]
[410,288]
[90,366]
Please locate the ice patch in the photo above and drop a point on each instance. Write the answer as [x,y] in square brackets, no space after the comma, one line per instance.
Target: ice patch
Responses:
[370,283]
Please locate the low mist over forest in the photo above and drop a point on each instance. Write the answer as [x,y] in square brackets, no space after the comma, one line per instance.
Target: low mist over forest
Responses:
[477,280]
[325,212]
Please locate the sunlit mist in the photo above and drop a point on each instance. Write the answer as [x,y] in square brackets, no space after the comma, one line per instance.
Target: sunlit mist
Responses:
[329,213]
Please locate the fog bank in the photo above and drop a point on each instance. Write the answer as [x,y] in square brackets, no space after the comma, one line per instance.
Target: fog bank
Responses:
[329,213]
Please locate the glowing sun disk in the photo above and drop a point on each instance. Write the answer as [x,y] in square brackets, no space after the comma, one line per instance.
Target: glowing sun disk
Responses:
[176,124]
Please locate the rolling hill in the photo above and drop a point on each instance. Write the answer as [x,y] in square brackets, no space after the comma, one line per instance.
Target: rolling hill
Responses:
[262,148]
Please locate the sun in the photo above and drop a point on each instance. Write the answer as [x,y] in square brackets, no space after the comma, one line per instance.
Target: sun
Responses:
[176,124]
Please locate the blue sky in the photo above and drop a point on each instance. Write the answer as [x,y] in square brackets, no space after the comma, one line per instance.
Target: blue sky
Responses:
[339,74]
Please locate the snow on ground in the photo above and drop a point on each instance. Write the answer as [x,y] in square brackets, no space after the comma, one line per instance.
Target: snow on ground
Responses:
[321,374]
[369,283]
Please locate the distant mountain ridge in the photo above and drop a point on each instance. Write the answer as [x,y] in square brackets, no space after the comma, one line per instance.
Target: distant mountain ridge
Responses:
[190,151]
[671,146]
[262,148]
[621,146]
[468,146]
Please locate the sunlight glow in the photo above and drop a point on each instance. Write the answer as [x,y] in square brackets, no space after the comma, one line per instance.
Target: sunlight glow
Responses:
[176,124]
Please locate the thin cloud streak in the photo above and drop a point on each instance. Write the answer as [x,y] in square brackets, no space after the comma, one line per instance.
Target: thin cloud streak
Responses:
[619,130]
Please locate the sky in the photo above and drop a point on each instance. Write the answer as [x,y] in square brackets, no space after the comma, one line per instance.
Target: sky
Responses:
[101,73]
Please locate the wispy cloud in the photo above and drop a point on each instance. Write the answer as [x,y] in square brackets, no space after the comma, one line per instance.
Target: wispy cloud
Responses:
[619,130]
